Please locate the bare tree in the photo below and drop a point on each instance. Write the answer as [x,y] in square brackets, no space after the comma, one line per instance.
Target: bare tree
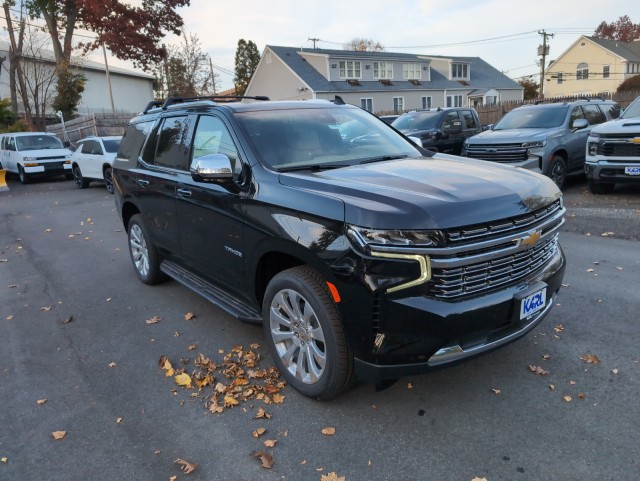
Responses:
[364,45]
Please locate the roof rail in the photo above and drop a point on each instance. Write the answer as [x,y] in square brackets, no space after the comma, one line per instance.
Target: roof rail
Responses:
[219,98]
[337,100]
[556,100]
[154,104]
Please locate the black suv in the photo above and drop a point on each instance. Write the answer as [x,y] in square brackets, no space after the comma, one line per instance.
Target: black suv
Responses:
[440,130]
[362,256]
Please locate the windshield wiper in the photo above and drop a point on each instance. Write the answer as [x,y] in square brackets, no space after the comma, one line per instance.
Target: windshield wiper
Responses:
[313,167]
[383,158]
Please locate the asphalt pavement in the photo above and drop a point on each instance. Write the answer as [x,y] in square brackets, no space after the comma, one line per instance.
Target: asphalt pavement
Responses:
[81,339]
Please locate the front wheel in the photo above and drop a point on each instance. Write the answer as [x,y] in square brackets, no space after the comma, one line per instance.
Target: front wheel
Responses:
[144,254]
[303,329]
[81,182]
[23,176]
[558,170]
[108,179]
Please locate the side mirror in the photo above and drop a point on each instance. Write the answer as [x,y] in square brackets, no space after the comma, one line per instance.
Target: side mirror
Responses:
[66,144]
[211,167]
[579,124]
[416,141]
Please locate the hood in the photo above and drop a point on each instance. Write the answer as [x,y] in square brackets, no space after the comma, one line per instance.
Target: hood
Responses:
[628,126]
[429,192]
[512,136]
[417,132]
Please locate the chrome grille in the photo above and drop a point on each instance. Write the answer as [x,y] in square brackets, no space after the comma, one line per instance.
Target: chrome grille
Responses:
[482,277]
[497,152]
[620,148]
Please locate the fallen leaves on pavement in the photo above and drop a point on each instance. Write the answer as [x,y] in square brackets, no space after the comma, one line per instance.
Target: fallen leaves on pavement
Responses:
[329,431]
[186,466]
[538,370]
[57,435]
[266,460]
[333,477]
[590,358]
[153,320]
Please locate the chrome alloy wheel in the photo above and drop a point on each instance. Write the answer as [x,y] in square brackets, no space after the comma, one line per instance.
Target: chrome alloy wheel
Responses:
[297,336]
[139,250]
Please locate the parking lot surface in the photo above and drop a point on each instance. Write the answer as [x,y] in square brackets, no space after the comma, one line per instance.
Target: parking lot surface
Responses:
[81,341]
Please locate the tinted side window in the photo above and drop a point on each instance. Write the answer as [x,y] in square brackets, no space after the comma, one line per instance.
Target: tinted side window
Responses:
[469,119]
[97,148]
[212,137]
[133,140]
[576,113]
[613,110]
[449,119]
[593,114]
[87,147]
[173,146]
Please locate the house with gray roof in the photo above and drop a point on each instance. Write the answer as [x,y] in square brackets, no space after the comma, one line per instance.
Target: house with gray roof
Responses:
[592,66]
[381,82]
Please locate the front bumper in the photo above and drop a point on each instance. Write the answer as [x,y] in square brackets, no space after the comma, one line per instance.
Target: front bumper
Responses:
[423,334]
[611,172]
[48,168]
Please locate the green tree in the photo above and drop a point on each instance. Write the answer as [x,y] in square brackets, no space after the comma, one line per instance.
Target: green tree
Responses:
[622,29]
[531,89]
[247,59]
[68,92]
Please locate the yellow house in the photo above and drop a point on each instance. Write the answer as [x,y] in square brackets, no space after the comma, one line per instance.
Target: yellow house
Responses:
[592,66]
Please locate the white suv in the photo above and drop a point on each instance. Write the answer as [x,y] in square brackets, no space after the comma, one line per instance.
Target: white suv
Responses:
[613,152]
[92,160]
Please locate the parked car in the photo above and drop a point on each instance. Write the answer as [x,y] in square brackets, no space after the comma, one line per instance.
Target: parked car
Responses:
[548,138]
[374,259]
[613,152]
[92,160]
[389,118]
[34,154]
[440,130]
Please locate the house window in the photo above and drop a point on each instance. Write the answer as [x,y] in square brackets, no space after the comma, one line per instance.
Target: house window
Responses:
[426,102]
[367,104]
[454,101]
[560,78]
[398,105]
[582,72]
[411,71]
[605,71]
[350,69]
[491,100]
[460,70]
[382,70]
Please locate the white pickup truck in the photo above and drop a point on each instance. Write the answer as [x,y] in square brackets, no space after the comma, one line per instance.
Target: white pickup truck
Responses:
[31,154]
[613,152]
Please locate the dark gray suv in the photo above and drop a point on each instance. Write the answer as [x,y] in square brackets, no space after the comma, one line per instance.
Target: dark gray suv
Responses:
[548,138]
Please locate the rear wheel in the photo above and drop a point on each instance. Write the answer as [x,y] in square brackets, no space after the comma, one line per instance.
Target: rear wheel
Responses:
[558,170]
[81,182]
[303,329]
[144,254]
[23,176]
[108,179]
[599,188]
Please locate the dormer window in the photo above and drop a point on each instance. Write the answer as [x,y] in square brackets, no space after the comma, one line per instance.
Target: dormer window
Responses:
[382,70]
[411,71]
[460,71]
[350,69]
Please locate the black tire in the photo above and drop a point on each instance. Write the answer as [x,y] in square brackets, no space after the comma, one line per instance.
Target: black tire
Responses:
[310,350]
[108,179]
[23,176]
[81,182]
[557,170]
[600,188]
[144,254]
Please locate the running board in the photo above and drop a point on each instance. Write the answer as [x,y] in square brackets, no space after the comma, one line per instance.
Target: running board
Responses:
[229,304]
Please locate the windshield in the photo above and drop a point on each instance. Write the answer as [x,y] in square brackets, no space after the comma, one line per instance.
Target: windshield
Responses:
[317,138]
[37,142]
[632,110]
[533,118]
[111,145]
[417,121]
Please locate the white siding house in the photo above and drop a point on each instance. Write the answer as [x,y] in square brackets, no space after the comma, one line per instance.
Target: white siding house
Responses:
[380,81]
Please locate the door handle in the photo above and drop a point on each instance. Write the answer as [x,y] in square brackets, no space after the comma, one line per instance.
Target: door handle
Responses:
[184,192]
[143,183]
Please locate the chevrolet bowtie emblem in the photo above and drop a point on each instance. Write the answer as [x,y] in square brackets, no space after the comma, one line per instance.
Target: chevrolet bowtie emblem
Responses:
[635,140]
[531,238]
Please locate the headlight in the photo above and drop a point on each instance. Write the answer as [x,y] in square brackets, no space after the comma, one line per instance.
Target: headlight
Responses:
[592,148]
[366,238]
[30,159]
[534,145]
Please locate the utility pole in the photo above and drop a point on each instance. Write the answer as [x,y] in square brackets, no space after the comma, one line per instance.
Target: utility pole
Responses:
[543,50]
[213,78]
[314,40]
[106,69]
